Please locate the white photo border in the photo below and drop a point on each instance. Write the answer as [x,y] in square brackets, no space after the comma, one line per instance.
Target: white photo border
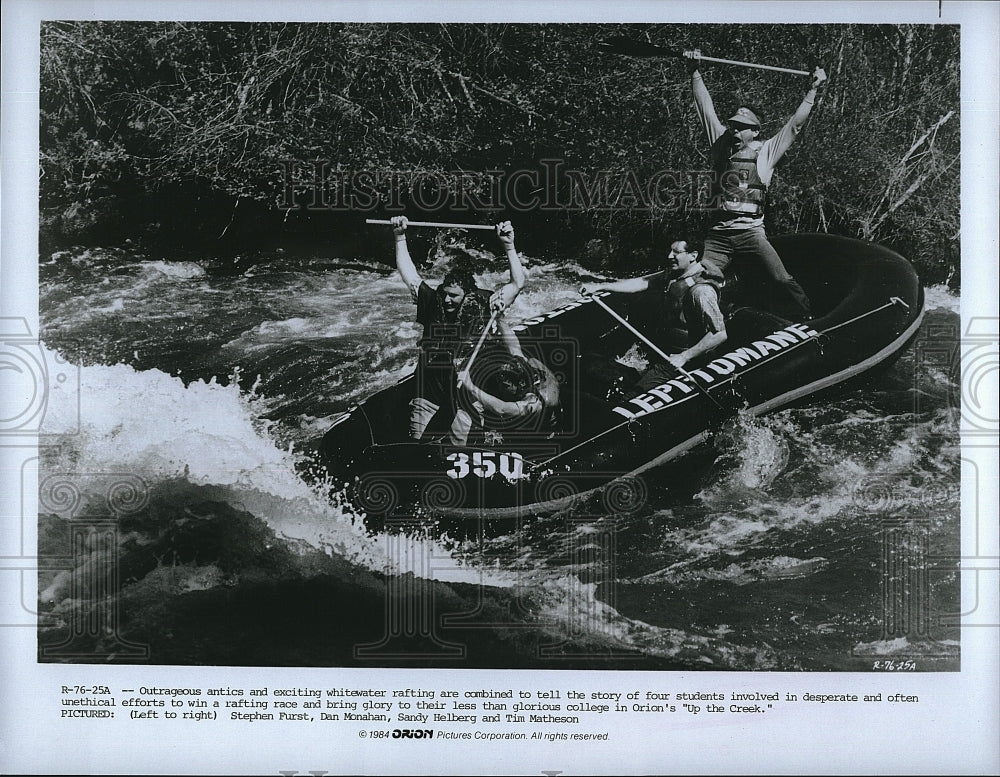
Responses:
[954,728]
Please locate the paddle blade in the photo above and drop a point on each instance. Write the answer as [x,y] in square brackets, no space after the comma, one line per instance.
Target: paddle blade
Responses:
[619,44]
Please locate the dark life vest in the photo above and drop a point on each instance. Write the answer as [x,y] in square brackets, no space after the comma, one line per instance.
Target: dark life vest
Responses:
[736,187]
[677,301]
[547,388]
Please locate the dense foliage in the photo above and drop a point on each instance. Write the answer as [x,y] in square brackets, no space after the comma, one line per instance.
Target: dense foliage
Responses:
[192,126]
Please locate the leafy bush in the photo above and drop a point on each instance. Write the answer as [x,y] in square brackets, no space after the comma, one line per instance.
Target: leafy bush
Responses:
[204,115]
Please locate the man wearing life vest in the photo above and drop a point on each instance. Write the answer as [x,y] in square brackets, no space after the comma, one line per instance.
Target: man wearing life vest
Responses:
[743,167]
[690,297]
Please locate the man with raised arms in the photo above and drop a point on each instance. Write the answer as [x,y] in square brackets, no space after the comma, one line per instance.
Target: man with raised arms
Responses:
[743,167]
[453,315]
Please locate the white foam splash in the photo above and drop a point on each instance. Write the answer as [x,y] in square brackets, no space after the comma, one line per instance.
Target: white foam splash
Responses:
[179,270]
[149,424]
[941,297]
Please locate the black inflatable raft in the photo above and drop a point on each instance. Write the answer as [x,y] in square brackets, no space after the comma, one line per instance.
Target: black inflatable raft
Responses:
[867,303]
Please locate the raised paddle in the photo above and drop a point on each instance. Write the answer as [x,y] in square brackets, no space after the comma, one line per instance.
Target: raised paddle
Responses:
[635,48]
[438,224]
[658,351]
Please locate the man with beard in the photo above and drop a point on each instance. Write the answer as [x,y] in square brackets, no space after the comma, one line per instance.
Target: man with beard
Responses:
[453,315]
[743,167]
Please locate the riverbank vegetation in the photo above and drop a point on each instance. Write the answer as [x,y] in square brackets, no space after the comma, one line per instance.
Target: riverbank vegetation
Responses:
[213,134]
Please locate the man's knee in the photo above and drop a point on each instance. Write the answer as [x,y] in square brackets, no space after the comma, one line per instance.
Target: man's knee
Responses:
[461,425]
[655,376]
[781,275]
[715,260]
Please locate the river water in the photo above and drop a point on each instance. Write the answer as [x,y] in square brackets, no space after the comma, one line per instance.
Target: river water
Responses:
[823,537]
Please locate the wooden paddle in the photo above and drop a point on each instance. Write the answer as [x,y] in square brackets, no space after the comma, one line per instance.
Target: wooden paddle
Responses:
[658,351]
[635,48]
[438,224]
[482,339]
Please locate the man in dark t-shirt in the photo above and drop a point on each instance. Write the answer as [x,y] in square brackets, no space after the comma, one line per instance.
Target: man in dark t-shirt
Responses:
[453,316]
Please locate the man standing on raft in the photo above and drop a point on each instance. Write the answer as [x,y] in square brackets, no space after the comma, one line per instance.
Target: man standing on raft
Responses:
[743,167]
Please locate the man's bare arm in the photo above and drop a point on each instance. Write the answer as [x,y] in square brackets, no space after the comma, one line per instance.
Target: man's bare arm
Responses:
[505,296]
[703,100]
[404,264]
[624,286]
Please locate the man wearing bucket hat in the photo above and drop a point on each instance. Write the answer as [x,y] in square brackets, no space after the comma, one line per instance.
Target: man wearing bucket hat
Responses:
[743,167]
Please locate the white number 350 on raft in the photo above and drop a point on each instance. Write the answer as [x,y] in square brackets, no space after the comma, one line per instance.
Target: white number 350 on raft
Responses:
[486,464]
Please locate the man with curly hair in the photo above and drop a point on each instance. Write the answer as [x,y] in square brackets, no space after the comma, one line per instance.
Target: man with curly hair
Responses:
[453,316]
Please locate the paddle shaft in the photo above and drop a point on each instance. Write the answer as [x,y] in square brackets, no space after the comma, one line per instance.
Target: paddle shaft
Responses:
[657,350]
[482,339]
[634,48]
[438,224]
[754,65]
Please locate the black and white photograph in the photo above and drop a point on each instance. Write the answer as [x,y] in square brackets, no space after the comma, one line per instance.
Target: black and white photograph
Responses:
[610,357]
